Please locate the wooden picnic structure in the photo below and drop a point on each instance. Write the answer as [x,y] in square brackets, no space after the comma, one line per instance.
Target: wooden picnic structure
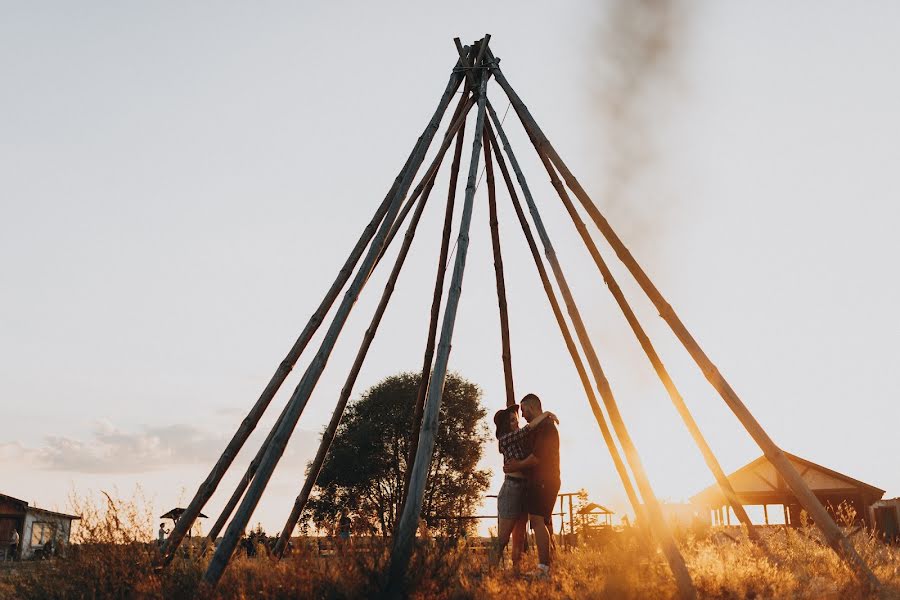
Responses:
[758,483]
[475,66]
[592,509]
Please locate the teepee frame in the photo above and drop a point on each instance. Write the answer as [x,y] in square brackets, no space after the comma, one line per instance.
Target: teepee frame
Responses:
[476,65]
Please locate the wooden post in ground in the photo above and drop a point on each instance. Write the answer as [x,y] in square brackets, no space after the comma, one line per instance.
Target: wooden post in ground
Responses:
[620,467]
[833,534]
[347,389]
[506,353]
[711,462]
[657,523]
[304,389]
[409,520]
[419,407]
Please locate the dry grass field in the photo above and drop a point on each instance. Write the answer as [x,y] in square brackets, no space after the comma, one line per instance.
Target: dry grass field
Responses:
[113,559]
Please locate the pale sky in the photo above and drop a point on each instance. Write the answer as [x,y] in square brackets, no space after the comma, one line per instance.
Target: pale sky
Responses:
[179,186]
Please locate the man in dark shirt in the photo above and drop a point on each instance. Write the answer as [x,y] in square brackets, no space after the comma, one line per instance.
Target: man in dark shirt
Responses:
[542,467]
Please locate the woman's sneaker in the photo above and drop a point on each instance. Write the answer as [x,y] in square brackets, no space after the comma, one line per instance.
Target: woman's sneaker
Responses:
[542,572]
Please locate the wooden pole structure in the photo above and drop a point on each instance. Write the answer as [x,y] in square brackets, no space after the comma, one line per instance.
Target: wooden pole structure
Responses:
[506,353]
[711,462]
[331,430]
[419,408]
[464,104]
[657,523]
[304,389]
[620,467]
[403,541]
[464,53]
[209,485]
[467,57]
[833,534]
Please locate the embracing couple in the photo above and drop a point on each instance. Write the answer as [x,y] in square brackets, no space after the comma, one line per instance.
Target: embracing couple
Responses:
[531,484]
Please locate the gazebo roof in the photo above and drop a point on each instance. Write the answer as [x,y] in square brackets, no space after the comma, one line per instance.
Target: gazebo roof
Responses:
[176,513]
[758,482]
[595,509]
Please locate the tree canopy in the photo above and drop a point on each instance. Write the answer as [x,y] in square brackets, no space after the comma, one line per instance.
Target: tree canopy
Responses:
[363,474]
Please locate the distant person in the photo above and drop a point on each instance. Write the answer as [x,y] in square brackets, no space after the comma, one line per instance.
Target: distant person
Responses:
[515,444]
[161,536]
[542,468]
[345,527]
[13,545]
[422,531]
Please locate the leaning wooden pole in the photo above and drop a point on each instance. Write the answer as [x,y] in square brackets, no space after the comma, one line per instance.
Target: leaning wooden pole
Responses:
[833,534]
[412,508]
[428,358]
[464,104]
[209,485]
[657,523]
[330,432]
[505,353]
[708,456]
[307,383]
[619,465]
[465,59]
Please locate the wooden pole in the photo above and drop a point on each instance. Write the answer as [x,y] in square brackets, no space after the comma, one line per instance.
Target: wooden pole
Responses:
[711,462]
[403,541]
[419,408]
[304,389]
[254,464]
[467,56]
[209,485]
[331,430]
[621,470]
[506,353]
[835,537]
[657,523]
[412,199]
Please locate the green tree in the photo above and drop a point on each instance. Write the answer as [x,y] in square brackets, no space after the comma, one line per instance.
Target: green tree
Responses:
[363,474]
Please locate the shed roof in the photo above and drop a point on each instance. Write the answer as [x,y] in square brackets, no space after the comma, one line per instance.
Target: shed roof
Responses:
[758,482]
[34,509]
[53,513]
[21,503]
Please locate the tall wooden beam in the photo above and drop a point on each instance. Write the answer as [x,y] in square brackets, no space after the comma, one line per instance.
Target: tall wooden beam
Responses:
[657,523]
[304,389]
[437,295]
[209,485]
[330,432]
[412,508]
[465,103]
[833,534]
[505,353]
[711,462]
[620,467]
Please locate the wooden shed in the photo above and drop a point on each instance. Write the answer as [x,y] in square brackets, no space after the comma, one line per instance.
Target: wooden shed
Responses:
[759,484]
[39,529]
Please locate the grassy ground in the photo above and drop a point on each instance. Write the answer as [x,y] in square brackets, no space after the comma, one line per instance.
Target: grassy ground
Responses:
[794,564]
[113,557]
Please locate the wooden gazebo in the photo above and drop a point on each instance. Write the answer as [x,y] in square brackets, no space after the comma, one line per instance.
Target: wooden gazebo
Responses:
[594,509]
[758,483]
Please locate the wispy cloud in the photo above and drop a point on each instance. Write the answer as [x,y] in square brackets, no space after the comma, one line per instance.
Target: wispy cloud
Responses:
[109,449]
